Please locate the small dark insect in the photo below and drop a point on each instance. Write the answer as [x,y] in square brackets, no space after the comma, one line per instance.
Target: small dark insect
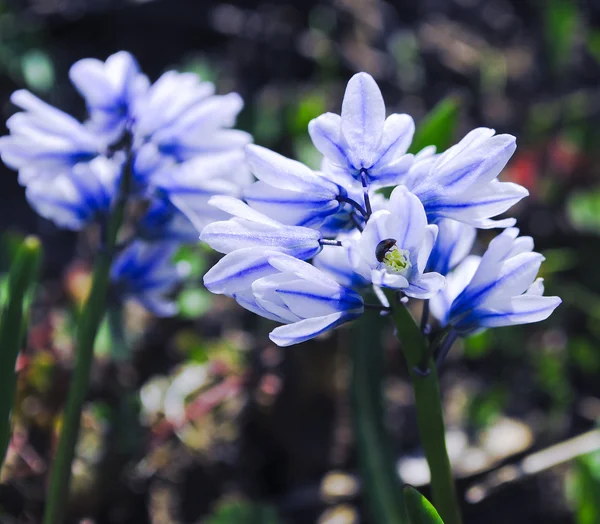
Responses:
[383,247]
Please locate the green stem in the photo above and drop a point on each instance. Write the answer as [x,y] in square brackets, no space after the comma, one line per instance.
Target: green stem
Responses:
[378,472]
[430,417]
[118,341]
[22,275]
[87,329]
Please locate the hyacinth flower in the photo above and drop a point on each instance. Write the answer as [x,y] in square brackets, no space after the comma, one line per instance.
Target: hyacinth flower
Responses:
[454,242]
[498,289]
[462,183]
[362,142]
[303,297]
[146,273]
[394,248]
[401,248]
[145,152]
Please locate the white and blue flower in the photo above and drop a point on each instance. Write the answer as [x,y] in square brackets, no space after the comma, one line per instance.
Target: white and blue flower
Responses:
[245,239]
[110,89]
[163,221]
[301,296]
[462,183]
[362,140]
[73,201]
[180,117]
[498,289]
[190,185]
[145,272]
[394,248]
[290,192]
[454,242]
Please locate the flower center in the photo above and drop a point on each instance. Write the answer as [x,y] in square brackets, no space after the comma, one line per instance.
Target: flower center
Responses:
[397,260]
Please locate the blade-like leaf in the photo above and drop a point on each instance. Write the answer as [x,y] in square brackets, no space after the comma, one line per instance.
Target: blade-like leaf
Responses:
[22,276]
[420,510]
[438,127]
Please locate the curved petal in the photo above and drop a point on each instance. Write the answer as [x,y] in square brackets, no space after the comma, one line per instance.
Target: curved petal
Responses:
[326,134]
[363,118]
[309,299]
[236,233]
[475,206]
[407,220]
[304,270]
[398,131]
[303,208]
[238,270]
[429,238]
[426,287]
[284,173]
[306,329]
[523,309]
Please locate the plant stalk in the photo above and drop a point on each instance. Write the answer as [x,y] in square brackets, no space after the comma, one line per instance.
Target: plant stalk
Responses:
[87,329]
[382,486]
[430,417]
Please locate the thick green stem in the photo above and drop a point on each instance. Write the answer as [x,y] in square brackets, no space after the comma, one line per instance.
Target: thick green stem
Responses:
[87,329]
[430,417]
[22,275]
[378,472]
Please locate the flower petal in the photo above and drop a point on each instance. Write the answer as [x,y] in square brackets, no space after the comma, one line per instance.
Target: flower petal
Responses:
[363,118]
[306,329]
[398,131]
[523,309]
[326,134]
[284,173]
[238,270]
[425,287]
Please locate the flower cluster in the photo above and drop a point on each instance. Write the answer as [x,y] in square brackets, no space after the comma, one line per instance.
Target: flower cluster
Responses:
[415,244]
[172,140]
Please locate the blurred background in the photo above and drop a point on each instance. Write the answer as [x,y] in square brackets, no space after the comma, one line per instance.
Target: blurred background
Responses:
[200,418]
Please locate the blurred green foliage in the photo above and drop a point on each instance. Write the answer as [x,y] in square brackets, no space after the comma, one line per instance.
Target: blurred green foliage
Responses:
[242,512]
[583,210]
[438,128]
[560,23]
[583,488]
[486,407]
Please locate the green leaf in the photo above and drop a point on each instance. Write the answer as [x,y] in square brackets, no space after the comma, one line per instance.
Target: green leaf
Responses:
[303,111]
[560,24]
[420,510]
[21,278]
[438,127]
[583,488]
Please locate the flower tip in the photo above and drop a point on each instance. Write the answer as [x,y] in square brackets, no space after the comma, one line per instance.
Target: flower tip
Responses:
[361,77]
[20,97]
